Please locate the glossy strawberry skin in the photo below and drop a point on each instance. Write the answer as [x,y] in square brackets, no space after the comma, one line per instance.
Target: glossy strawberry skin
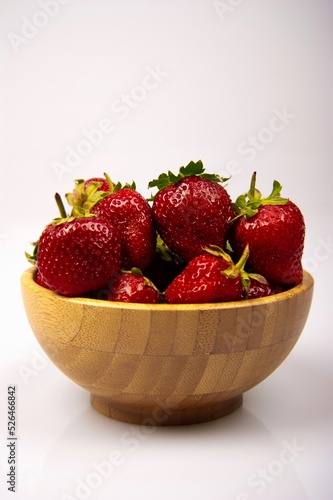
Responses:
[276,240]
[192,214]
[78,256]
[127,287]
[131,213]
[203,281]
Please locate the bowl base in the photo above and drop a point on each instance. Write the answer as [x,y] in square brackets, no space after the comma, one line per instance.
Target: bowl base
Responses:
[158,416]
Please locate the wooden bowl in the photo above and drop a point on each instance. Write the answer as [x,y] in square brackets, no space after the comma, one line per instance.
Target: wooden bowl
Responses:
[166,364]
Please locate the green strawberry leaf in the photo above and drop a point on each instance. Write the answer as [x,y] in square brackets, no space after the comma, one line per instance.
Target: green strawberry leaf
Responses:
[115,187]
[83,198]
[241,201]
[274,201]
[193,168]
[134,270]
[258,277]
[276,191]
[119,185]
[165,252]
[218,252]
[32,258]
[60,205]
[247,205]
[161,182]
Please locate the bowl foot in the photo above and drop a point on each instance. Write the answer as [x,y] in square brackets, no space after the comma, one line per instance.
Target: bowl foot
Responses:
[162,416]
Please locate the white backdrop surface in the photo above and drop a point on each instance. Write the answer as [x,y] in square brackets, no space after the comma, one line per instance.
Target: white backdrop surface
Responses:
[133,88]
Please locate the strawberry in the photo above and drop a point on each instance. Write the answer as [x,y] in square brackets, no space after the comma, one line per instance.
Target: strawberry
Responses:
[191,210]
[211,277]
[132,286]
[259,289]
[127,209]
[131,213]
[76,255]
[274,229]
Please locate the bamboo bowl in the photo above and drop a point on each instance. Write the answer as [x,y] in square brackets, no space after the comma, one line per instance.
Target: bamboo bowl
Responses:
[166,364]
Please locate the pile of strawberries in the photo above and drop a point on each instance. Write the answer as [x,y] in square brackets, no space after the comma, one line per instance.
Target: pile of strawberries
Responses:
[189,243]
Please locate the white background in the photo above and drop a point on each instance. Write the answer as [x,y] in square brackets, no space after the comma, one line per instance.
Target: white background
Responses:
[225,70]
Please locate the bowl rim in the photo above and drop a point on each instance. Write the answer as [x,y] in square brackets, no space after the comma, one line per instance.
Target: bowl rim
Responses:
[29,275]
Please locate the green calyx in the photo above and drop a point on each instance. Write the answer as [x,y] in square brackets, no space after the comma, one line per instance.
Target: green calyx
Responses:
[123,186]
[32,258]
[248,204]
[83,198]
[76,213]
[113,188]
[163,249]
[234,270]
[193,168]
[165,252]
[238,269]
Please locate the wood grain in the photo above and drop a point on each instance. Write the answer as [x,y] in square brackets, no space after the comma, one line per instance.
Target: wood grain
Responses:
[166,364]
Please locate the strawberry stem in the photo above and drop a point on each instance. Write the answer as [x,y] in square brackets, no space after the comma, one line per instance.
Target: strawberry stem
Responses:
[242,261]
[252,191]
[60,205]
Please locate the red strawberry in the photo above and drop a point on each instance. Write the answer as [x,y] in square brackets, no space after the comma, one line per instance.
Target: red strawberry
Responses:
[131,213]
[274,229]
[78,255]
[191,210]
[132,286]
[259,289]
[128,210]
[211,277]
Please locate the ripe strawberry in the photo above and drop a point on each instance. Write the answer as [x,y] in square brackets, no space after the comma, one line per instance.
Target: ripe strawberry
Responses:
[191,210]
[211,277]
[78,255]
[132,286]
[274,229]
[128,210]
[259,289]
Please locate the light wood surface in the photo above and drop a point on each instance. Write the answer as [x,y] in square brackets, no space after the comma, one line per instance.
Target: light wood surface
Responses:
[166,364]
